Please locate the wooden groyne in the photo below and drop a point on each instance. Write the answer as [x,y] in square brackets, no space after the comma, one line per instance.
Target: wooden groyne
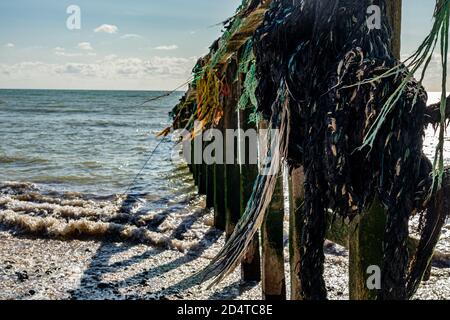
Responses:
[224,96]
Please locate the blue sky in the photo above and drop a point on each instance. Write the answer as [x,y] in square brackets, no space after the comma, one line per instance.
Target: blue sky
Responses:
[146,44]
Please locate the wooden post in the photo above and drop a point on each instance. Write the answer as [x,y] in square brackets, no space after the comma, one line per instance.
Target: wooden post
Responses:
[199,178]
[210,186]
[365,250]
[394,13]
[274,281]
[296,199]
[193,165]
[232,170]
[251,265]
[219,190]
[367,231]
[273,277]
[219,196]
[232,174]
[203,178]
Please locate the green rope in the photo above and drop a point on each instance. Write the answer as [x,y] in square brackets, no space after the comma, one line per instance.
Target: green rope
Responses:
[247,57]
[248,97]
[235,24]
[439,156]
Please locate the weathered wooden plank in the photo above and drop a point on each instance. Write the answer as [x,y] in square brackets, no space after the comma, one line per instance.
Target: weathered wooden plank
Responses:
[365,250]
[210,186]
[274,280]
[232,169]
[296,199]
[219,197]
[251,264]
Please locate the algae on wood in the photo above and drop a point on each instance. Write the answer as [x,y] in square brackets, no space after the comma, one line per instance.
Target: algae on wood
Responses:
[274,280]
[365,250]
[296,199]
[251,264]
[210,185]
[232,170]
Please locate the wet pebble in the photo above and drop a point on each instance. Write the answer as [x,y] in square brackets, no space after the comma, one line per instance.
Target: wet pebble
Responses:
[104,285]
[22,276]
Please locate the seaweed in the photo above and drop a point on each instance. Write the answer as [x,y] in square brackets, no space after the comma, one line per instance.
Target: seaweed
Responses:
[328,78]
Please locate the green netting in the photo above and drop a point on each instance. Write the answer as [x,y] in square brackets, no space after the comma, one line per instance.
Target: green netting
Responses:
[248,97]
[247,57]
[197,73]
[235,24]
[255,117]
[247,66]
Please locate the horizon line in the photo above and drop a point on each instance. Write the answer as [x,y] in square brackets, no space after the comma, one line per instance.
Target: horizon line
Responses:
[77,89]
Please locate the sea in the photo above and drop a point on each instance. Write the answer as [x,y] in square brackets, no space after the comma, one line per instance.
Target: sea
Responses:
[93,142]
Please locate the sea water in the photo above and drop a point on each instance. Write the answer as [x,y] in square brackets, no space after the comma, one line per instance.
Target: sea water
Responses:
[85,141]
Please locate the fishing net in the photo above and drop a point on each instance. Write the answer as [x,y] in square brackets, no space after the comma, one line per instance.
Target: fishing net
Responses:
[247,67]
[206,83]
[209,90]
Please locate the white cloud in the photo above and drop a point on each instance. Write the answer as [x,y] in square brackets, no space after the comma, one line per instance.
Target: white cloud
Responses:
[154,73]
[107,28]
[67,54]
[83,69]
[131,36]
[85,46]
[111,67]
[110,57]
[9,45]
[168,47]
[61,52]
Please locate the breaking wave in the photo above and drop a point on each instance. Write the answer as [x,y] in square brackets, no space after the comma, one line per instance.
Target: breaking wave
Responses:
[26,209]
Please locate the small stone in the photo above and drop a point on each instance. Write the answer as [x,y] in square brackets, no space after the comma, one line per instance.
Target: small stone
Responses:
[22,276]
[103,285]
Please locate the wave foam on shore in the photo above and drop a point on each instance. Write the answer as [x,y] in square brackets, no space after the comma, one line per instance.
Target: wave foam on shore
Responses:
[73,216]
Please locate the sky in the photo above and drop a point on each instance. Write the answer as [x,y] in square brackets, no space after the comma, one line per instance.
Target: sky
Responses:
[133,44]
